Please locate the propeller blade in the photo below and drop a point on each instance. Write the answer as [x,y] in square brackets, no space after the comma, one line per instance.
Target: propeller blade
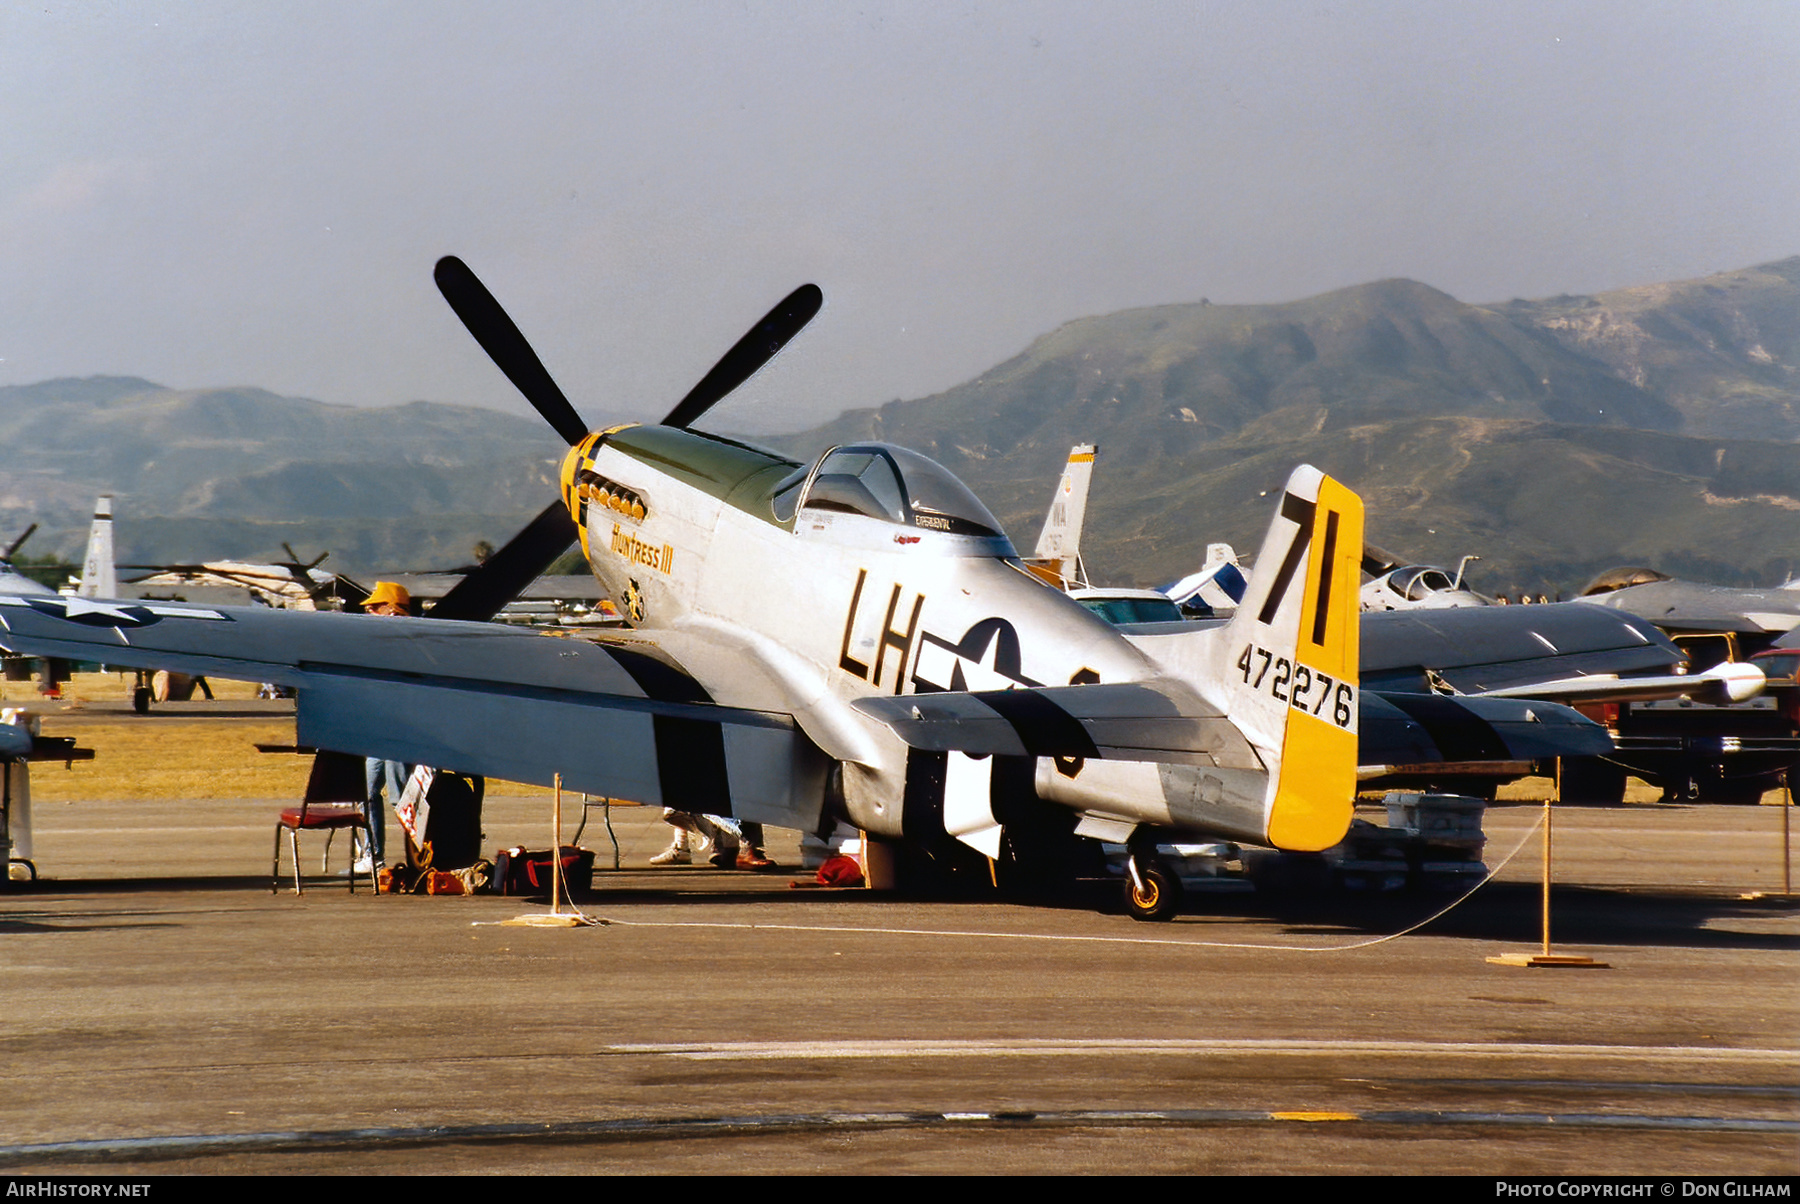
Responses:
[16,544]
[503,576]
[294,561]
[752,351]
[506,346]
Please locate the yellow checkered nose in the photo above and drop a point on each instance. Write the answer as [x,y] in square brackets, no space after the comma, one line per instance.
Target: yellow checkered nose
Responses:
[570,466]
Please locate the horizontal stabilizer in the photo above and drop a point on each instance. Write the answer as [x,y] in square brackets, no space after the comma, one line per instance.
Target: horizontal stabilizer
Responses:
[1125,721]
[1417,729]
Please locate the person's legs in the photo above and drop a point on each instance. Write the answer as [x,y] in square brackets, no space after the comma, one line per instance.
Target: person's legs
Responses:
[677,852]
[750,849]
[378,774]
[722,834]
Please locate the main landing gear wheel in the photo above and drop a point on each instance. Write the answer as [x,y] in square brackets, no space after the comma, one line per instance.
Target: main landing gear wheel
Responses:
[1152,891]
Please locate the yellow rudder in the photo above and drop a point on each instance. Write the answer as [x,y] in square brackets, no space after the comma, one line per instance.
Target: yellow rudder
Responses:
[1316,786]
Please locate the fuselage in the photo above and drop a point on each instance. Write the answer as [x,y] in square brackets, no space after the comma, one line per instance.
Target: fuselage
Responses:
[842,587]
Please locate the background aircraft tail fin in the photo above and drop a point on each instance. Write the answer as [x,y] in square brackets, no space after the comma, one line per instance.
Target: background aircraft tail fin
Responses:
[98,579]
[1288,660]
[1059,544]
[1217,588]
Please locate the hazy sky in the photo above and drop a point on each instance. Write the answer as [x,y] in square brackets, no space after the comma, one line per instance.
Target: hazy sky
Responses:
[219,194]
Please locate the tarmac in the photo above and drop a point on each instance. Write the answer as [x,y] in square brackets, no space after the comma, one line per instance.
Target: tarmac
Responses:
[165,1012]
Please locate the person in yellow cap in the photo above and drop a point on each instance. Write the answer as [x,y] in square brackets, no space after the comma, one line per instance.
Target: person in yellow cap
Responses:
[387,598]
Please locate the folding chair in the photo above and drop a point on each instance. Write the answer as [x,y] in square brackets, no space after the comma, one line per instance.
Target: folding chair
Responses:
[333,801]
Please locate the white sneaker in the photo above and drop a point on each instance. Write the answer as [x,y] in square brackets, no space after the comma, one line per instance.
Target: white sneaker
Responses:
[363,865]
[673,855]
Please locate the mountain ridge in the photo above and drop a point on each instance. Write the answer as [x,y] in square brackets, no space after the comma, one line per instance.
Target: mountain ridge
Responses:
[1554,438]
[1179,397]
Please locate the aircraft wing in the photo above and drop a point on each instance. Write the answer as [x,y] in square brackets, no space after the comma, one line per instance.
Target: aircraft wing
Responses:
[1690,606]
[1724,683]
[474,697]
[1478,649]
[1123,721]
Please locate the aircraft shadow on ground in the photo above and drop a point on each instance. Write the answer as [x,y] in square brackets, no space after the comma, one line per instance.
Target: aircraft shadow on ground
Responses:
[1512,912]
[47,923]
[1509,912]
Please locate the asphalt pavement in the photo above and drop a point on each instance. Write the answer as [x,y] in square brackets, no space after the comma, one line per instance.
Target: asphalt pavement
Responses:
[165,1012]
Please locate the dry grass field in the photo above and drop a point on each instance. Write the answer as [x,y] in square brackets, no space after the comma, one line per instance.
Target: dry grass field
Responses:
[105,687]
[173,759]
[168,754]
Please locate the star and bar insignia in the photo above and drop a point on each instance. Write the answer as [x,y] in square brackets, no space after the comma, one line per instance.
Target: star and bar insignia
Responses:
[91,613]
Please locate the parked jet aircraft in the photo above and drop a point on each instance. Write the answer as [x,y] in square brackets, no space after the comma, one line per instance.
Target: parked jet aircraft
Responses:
[1729,754]
[1398,586]
[1676,605]
[918,682]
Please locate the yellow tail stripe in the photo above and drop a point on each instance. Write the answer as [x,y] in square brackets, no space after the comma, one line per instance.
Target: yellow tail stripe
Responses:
[1317,791]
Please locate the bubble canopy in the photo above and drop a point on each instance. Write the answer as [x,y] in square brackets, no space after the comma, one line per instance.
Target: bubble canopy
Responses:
[893,484]
[1419,583]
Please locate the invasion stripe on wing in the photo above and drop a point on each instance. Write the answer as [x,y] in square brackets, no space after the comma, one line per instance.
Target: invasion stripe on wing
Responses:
[1459,733]
[660,681]
[1043,727]
[690,764]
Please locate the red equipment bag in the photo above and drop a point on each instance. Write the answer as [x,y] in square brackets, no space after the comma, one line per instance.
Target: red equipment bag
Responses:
[527,872]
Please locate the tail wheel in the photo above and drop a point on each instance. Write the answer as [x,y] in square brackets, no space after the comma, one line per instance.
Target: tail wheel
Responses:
[1153,893]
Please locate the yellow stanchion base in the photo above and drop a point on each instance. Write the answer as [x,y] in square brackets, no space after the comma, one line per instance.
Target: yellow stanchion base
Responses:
[1570,961]
[549,920]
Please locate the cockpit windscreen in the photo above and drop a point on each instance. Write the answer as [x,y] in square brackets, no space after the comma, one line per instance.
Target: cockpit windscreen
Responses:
[893,484]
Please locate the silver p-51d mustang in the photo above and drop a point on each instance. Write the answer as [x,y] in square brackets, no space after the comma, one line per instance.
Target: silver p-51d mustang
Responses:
[854,640]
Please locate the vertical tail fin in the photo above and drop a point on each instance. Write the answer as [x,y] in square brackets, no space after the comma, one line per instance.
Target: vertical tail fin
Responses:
[1059,545]
[1218,586]
[97,577]
[1288,660]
